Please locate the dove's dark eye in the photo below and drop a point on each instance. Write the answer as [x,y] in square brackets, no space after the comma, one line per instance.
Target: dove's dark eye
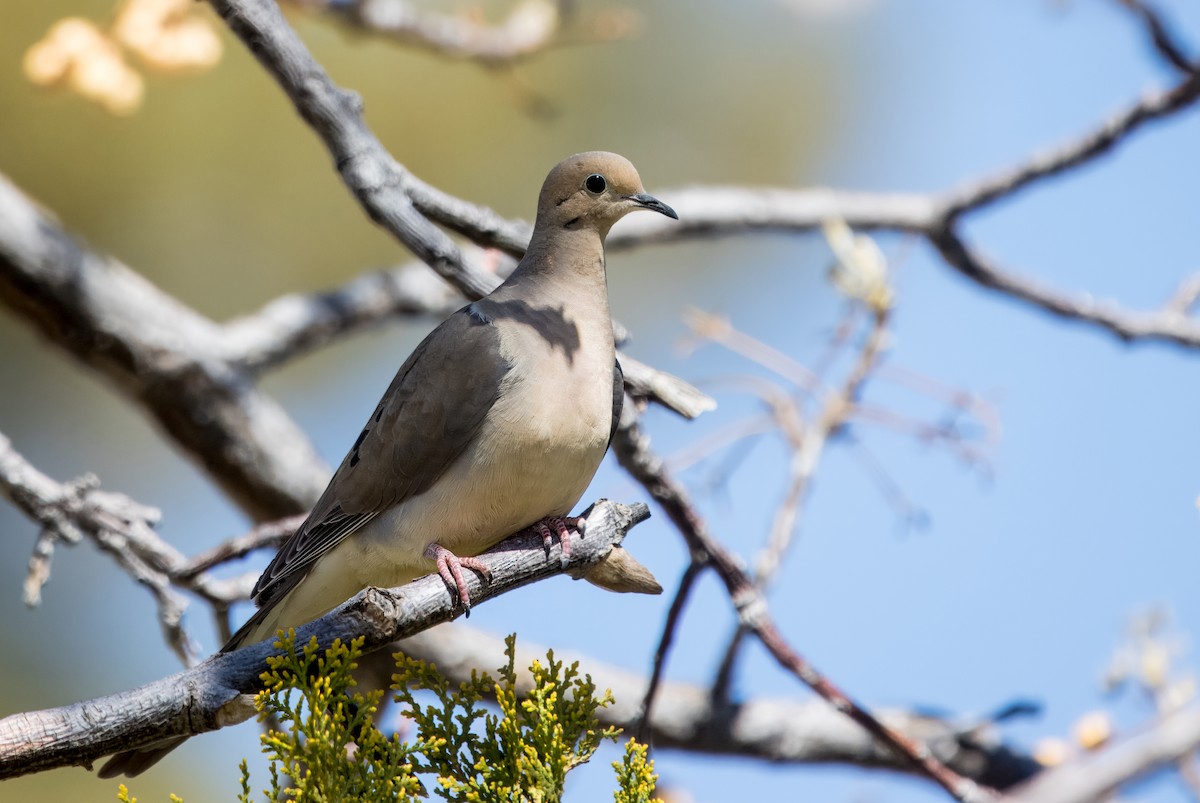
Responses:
[595,183]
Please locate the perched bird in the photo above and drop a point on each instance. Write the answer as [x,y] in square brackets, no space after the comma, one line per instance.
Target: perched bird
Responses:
[496,422]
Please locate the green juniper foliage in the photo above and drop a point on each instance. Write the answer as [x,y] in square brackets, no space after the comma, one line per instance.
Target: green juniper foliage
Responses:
[525,751]
[466,753]
[635,776]
[123,796]
[307,693]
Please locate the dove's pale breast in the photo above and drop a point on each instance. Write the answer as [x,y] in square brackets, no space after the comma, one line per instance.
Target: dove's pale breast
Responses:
[537,450]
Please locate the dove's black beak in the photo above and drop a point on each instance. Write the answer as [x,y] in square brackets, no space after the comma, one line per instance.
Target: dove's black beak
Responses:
[648,201]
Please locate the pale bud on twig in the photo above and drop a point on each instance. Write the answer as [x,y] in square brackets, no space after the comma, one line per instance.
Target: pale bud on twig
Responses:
[860,272]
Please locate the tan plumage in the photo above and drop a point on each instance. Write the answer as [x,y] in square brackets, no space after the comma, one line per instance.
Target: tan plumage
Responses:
[498,419]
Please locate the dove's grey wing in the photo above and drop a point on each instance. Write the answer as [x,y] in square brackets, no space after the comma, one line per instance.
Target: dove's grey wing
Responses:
[429,415]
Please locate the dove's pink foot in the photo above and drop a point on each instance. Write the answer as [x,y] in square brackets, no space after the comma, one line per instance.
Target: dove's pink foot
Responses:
[450,567]
[561,526]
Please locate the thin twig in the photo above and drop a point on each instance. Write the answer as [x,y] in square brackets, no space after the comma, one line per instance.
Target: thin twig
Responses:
[907,512]
[1156,105]
[717,329]
[1164,325]
[123,529]
[1185,297]
[633,451]
[1160,35]
[978,407]
[269,534]
[665,639]
[834,413]
[726,670]
[115,523]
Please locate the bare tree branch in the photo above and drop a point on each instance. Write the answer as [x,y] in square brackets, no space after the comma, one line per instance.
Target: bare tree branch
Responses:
[295,324]
[806,436]
[114,522]
[1098,774]
[779,730]
[633,451]
[1167,324]
[718,211]
[650,384]
[377,181]
[161,354]
[270,534]
[531,27]
[120,527]
[646,713]
[1160,35]
[205,697]
[1155,105]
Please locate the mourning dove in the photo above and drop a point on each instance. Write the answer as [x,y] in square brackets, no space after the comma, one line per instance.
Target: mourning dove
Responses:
[496,422]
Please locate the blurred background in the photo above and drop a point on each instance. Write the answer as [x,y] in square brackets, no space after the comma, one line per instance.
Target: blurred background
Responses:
[1018,579]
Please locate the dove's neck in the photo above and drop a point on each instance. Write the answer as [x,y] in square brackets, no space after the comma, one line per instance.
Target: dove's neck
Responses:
[566,265]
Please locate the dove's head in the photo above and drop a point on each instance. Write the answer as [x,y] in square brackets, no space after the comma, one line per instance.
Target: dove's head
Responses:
[593,190]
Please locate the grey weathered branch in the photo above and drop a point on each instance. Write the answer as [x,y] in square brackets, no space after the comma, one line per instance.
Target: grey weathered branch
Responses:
[298,323]
[160,354]
[378,182]
[531,27]
[121,528]
[206,697]
[1168,324]
[1097,775]
[650,384]
[780,730]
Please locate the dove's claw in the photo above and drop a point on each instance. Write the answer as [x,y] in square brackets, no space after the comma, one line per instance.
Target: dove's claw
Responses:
[561,526]
[450,567]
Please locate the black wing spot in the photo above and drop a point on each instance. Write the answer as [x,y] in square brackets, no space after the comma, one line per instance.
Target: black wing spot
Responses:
[571,222]
[354,457]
